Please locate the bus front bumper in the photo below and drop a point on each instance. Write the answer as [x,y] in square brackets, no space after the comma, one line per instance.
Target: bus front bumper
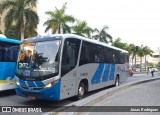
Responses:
[51,93]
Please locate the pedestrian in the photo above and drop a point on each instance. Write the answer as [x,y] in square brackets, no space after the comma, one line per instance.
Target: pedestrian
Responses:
[152,71]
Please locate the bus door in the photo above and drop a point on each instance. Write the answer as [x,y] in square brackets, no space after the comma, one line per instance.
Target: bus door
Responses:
[68,68]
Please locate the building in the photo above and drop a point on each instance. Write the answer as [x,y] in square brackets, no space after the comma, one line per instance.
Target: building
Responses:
[155,57]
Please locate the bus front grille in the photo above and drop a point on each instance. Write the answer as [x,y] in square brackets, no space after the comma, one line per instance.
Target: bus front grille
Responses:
[32,88]
[34,94]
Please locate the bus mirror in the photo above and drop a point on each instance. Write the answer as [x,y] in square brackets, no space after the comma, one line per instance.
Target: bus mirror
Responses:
[22,56]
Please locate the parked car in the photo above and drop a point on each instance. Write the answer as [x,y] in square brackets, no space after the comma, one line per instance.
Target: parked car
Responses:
[130,73]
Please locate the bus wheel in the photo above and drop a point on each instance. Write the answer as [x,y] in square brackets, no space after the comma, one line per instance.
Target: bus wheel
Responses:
[117,81]
[81,91]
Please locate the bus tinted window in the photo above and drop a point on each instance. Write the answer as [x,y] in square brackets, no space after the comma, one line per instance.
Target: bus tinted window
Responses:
[93,53]
[8,52]
[70,54]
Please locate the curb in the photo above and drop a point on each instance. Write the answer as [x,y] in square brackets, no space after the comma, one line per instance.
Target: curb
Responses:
[71,109]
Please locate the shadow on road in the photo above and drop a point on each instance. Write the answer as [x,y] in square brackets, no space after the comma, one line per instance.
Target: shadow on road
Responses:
[7,93]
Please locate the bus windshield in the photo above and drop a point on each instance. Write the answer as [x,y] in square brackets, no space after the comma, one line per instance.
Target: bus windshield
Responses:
[39,59]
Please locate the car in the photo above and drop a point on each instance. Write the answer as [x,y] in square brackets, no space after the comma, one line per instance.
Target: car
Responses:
[130,73]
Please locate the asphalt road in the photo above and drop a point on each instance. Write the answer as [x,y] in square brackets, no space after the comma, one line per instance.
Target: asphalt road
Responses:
[8,98]
[147,94]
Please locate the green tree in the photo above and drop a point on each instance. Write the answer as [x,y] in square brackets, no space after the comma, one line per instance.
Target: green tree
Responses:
[0,32]
[82,29]
[140,53]
[21,14]
[102,35]
[147,51]
[58,21]
[132,49]
[13,32]
[134,53]
[118,43]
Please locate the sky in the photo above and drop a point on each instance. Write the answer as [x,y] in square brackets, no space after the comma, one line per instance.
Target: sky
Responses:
[134,21]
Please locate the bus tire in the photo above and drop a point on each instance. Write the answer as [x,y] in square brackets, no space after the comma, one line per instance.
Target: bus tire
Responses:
[116,81]
[81,91]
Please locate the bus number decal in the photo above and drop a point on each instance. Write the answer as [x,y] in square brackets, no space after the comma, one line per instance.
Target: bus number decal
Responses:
[23,65]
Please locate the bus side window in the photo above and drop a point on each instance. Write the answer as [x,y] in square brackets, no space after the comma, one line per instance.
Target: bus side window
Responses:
[70,55]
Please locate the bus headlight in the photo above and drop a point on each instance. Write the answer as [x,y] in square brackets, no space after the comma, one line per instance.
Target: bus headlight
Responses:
[48,85]
[51,84]
[17,83]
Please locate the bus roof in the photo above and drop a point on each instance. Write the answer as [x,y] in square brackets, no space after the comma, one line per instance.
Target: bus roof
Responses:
[10,40]
[64,36]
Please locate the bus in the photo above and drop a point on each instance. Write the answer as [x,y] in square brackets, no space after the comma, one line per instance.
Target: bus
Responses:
[59,66]
[8,58]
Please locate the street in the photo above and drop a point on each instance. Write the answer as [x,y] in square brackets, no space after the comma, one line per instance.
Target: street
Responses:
[147,94]
[8,98]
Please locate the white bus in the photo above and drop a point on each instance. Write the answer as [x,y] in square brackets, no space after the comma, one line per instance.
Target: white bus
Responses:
[60,66]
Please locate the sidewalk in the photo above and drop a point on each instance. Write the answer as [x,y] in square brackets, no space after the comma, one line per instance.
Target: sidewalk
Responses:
[71,108]
[141,76]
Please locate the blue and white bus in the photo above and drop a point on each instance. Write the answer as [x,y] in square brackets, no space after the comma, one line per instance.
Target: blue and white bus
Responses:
[8,58]
[60,66]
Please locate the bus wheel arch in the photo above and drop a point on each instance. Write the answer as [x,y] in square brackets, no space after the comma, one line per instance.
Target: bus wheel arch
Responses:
[117,80]
[82,89]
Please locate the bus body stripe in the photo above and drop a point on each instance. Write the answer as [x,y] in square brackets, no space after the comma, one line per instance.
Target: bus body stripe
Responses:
[97,76]
[5,81]
[22,83]
[112,71]
[31,84]
[39,83]
[106,73]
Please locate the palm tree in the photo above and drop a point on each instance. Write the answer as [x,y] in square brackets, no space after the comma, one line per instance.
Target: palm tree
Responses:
[132,51]
[147,51]
[102,35]
[20,13]
[140,53]
[58,21]
[118,43]
[82,29]
[0,32]
[13,32]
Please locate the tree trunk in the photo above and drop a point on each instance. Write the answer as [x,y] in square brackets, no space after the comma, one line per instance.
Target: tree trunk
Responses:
[132,62]
[59,28]
[22,31]
[140,63]
[145,63]
[135,61]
